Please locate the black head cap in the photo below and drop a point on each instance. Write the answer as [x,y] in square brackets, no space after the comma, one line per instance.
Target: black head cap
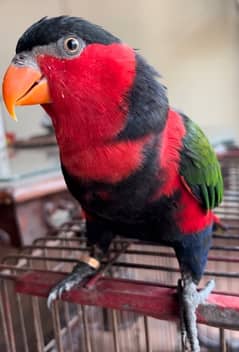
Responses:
[49,30]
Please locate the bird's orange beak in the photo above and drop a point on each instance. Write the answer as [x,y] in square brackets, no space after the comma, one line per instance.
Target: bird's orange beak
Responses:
[24,85]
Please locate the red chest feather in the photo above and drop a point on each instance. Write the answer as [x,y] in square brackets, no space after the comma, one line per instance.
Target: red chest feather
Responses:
[109,163]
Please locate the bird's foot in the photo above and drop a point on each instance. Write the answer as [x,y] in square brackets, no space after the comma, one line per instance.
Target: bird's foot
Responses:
[80,272]
[190,299]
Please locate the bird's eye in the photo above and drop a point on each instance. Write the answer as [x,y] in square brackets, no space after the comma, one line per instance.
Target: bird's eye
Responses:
[71,45]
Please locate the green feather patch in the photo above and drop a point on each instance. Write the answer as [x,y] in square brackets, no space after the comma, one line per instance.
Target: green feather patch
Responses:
[199,166]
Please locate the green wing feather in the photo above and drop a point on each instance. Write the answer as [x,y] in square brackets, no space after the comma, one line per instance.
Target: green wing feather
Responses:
[200,168]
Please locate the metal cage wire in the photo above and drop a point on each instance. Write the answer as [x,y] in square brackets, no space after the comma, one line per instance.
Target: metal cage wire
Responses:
[131,304]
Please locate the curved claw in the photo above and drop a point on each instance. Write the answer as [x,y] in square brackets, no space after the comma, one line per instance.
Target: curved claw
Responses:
[51,298]
[60,292]
[64,286]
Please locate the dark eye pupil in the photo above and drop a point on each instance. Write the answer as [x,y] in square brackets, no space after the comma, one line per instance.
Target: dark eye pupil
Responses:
[72,44]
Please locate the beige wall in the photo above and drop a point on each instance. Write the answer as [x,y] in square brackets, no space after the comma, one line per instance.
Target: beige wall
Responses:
[194,44]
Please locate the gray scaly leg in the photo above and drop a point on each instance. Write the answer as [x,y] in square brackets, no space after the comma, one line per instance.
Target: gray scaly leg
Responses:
[190,299]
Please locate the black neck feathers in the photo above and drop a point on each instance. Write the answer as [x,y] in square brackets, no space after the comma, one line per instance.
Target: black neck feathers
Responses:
[148,103]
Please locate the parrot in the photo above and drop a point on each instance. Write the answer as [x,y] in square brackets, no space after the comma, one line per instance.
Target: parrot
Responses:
[139,168]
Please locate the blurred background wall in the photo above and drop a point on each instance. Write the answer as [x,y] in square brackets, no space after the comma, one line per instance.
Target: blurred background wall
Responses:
[194,44]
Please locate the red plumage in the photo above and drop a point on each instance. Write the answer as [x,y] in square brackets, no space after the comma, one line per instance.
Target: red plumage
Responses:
[89,107]
[106,163]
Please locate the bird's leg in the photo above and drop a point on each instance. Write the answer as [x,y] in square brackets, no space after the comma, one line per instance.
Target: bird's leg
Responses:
[190,299]
[85,268]
[87,265]
[183,331]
